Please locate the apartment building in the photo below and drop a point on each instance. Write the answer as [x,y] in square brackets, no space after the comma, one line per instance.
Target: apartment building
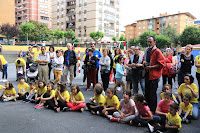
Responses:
[7,15]
[157,24]
[130,31]
[85,16]
[39,10]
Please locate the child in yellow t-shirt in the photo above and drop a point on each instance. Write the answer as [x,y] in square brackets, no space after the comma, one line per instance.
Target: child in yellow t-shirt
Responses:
[111,104]
[186,109]
[77,100]
[173,121]
[99,99]
[9,93]
[41,89]
[22,89]
[46,98]
[167,87]
[32,92]
[61,98]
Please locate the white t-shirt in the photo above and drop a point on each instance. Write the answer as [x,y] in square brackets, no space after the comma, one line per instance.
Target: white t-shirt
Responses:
[52,55]
[126,108]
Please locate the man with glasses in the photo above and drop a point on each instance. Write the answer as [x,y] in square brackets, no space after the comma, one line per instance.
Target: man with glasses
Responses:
[137,67]
[43,70]
[97,54]
[154,62]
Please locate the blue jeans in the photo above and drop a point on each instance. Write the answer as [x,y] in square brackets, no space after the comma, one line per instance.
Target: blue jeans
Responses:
[137,119]
[5,71]
[135,82]
[195,112]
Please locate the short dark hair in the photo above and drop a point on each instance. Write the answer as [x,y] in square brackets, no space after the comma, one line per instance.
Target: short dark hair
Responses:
[112,90]
[187,96]
[119,58]
[62,86]
[57,51]
[43,47]
[51,84]
[10,85]
[154,39]
[174,106]
[128,92]
[163,89]
[44,83]
[98,89]
[31,83]
[52,48]
[90,50]
[191,78]
[168,94]
[21,77]
[75,86]
[18,61]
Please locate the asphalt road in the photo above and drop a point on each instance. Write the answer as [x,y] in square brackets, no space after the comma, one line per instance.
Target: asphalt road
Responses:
[19,117]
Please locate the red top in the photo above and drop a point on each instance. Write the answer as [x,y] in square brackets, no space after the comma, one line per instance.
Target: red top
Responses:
[165,69]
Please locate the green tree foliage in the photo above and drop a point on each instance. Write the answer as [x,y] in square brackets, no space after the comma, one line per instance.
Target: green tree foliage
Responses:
[97,36]
[162,41]
[58,35]
[9,31]
[143,37]
[69,34]
[172,34]
[75,40]
[114,38]
[190,35]
[122,38]
[26,29]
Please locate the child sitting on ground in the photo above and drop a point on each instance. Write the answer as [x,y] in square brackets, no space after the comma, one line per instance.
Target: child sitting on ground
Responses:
[9,93]
[22,89]
[99,100]
[167,87]
[42,89]
[32,92]
[186,109]
[127,109]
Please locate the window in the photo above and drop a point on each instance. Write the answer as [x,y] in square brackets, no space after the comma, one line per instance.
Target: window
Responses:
[139,28]
[170,18]
[80,1]
[139,22]
[43,17]
[58,27]
[130,36]
[130,32]
[57,7]
[80,9]
[79,16]
[43,12]
[100,23]
[131,28]
[85,15]
[57,20]
[44,6]
[85,31]
[186,17]
[85,8]
[143,27]
[85,1]
[58,14]
[175,17]
[150,27]
[100,15]
[175,23]
[139,33]
[79,24]
[143,22]
[170,23]
[85,23]
[62,12]
[79,32]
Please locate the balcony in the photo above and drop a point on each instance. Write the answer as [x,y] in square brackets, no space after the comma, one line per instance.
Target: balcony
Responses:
[70,13]
[70,0]
[71,7]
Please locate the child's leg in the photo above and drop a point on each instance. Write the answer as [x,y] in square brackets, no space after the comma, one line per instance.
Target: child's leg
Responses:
[128,118]
[162,118]
[14,97]
[195,112]
[123,86]
[156,119]
[110,112]
[70,104]
[4,97]
[78,107]
[172,130]
[116,114]
[98,109]
[138,120]
[116,84]
[88,106]
[62,104]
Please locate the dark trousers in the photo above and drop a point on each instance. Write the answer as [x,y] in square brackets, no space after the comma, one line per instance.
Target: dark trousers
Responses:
[151,92]
[50,68]
[22,97]
[105,80]
[181,77]
[189,117]
[94,109]
[97,75]
[172,130]
[74,70]
[162,119]
[91,77]
[61,104]
[165,78]
[5,71]
[143,122]
[198,79]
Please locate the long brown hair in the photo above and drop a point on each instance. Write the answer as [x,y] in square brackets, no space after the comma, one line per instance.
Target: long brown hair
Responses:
[120,52]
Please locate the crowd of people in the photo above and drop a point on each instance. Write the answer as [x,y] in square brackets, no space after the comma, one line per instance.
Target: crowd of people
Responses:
[138,67]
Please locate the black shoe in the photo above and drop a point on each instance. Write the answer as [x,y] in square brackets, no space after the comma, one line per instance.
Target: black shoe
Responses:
[65,109]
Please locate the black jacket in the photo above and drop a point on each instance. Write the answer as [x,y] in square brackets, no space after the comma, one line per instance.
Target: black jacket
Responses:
[72,57]
[92,60]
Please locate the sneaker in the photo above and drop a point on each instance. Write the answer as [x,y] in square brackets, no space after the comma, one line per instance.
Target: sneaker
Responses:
[82,109]
[82,84]
[36,106]
[151,128]
[139,124]
[4,80]
[58,110]
[32,101]
[114,119]
[39,107]
[109,116]
[5,100]
[118,88]
[88,89]
[65,109]
[111,82]
[15,100]
[97,112]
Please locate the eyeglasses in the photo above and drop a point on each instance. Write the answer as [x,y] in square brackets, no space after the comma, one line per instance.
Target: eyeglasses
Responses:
[188,49]
[92,46]
[149,42]
[42,49]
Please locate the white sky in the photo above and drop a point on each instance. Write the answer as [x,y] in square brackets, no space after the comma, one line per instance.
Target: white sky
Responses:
[133,10]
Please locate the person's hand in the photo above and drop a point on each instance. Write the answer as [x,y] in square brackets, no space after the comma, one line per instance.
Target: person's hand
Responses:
[144,62]
[166,125]
[2,67]
[137,65]
[188,86]
[133,64]
[56,103]
[149,67]
[182,60]
[122,115]
[88,63]
[91,106]
[104,110]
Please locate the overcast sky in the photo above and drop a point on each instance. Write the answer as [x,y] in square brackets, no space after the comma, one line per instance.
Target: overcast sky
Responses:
[133,10]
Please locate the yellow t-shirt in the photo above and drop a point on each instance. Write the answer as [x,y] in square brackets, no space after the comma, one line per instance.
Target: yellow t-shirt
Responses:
[9,92]
[100,100]
[3,59]
[84,56]
[35,89]
[114,64]
[22,62]
[111,102]
[185,109]
[64,94]
[36,53]
[197,58]
[51,93]
[78,97]
[1,87]
[41,91]
[22,88]
[174,120]
[183,90]
[162,96]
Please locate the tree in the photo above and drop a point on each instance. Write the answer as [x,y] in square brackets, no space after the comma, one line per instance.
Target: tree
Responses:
[114,38]
[97,36]
[162,41]
[172,34]
[27,28]
[143,37]
[122,38]
[58,35]
[190,35]
[75,40]
[69,34]
[9,31]
[136,41]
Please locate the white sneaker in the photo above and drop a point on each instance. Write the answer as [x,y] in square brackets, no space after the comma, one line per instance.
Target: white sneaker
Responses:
[151,128]
[111,82]
[109,116]
[82,84]
[4,80]
[118,89]
[92,84]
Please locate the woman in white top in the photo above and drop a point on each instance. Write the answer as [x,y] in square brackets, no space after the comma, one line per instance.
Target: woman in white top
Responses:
[58,66]
[52,55]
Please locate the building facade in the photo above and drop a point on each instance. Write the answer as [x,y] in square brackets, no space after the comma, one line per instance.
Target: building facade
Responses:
[85,16]
[39,10]
[157,24]
[130,31]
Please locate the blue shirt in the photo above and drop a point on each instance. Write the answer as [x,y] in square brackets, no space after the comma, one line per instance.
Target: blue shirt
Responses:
[119,71]
[96,53]
[67,60]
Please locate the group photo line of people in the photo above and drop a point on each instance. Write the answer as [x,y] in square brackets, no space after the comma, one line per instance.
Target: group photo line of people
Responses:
[137,68]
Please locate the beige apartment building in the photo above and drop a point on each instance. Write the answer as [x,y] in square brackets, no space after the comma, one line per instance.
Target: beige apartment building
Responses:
[85,16]
[157,24]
